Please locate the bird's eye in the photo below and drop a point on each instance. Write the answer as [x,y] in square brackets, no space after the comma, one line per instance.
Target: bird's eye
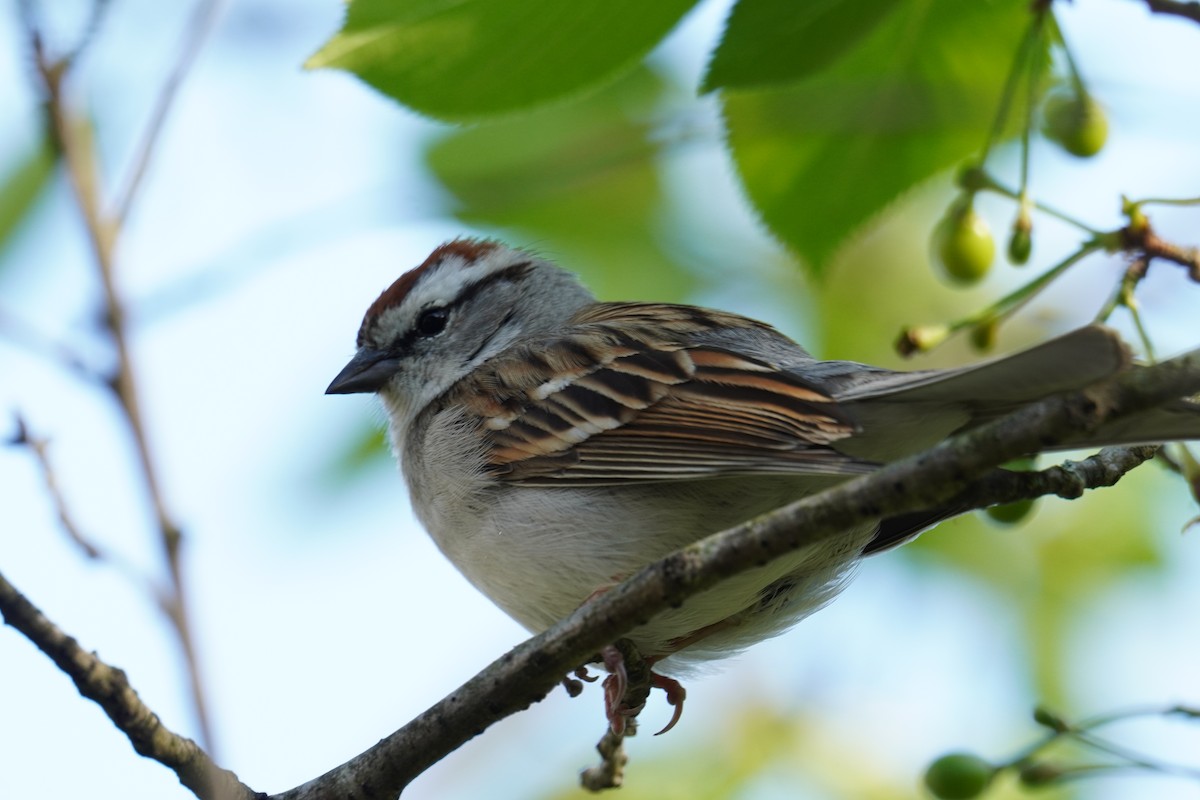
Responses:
[432,321]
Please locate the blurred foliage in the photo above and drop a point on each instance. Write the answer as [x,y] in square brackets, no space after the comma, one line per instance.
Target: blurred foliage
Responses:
[477,58]
[581,181]
[909,100]
[868,97]
[1053,566]
[759,749]
[25,182]
[366,448]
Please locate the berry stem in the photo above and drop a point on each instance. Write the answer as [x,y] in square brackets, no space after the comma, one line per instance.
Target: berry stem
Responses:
[981,181]
[1020,60]
[1072,68]
[1033,84]
[1014,300]
[1169,201]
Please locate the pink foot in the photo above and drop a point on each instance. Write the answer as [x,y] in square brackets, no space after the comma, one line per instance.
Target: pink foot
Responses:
[616,684]
[614,690]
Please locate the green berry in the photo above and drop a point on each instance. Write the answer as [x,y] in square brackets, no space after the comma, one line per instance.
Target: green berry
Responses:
[958,776]
[1020,242]
[1010,513]
[962,244]
[983,335]
[1076,122]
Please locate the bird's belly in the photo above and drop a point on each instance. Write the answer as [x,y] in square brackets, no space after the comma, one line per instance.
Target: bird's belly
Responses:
[539,567]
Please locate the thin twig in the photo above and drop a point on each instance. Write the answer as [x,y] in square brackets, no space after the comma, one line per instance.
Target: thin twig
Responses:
[610,772]
[80,158]
[1155,247]
[203,18]
[37,448]
[1187,10]
[90,29]
[22,333]
[1068,480]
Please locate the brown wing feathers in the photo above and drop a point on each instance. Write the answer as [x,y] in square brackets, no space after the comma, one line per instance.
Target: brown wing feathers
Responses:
[642,407]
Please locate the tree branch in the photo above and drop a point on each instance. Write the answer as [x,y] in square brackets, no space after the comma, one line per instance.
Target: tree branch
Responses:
[110,689]
[1068,480]
[1154,247]
[204,17]
[1188,9]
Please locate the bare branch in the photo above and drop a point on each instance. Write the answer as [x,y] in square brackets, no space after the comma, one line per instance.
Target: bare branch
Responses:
[109,688]
[1068,480]
[79,155]
[204,17]
[1188,9]
[90,28]
[610,772]
[37,448]
[1154,247]
[21,333]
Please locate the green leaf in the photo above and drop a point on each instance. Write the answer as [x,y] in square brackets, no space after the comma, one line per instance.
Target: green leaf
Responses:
[582,180]
[471,59]
[823,156]
[778,41]
[23,185]
[366,448]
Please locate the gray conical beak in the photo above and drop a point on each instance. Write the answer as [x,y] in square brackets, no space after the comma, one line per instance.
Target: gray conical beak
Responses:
[368,371]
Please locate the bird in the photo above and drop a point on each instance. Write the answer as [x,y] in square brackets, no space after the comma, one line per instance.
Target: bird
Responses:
[553,445]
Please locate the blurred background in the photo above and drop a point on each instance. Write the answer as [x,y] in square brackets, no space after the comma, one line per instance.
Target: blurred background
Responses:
[280,202]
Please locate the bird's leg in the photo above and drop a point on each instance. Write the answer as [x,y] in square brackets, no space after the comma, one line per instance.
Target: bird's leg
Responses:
[615,686]
[619,687]
[678,643]
[625,693]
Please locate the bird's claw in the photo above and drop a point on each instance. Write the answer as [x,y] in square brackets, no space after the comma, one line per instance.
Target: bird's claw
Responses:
[621,716]
[676,694]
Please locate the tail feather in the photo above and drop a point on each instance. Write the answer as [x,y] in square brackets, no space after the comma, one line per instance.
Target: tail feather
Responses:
[1071,361]
[919,409]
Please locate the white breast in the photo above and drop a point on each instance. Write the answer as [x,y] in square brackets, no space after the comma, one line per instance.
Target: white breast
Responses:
[539,553]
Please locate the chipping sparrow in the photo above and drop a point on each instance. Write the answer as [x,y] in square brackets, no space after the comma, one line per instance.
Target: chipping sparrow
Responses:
[554,445]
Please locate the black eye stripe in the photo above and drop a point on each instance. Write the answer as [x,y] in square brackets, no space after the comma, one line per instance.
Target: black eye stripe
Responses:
[403,343]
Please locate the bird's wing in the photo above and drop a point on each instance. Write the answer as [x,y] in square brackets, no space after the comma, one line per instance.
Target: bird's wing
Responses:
[638,392]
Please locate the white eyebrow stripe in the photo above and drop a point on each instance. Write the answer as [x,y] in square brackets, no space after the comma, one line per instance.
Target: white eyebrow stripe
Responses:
[441,285]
